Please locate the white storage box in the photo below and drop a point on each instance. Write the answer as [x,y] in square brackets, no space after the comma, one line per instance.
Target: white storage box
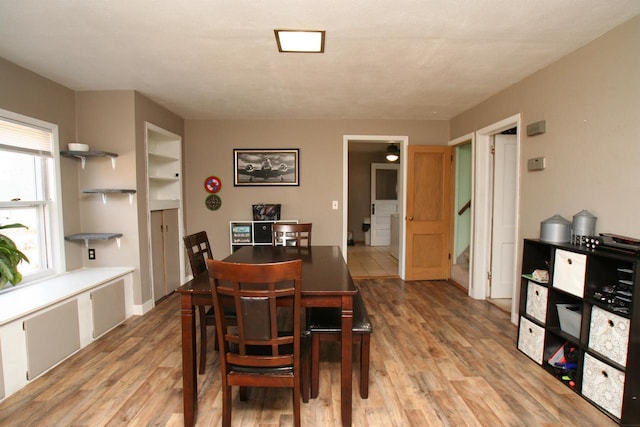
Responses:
[570,318]
[569,271]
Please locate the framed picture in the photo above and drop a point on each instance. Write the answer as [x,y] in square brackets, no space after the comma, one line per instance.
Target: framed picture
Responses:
[266,167]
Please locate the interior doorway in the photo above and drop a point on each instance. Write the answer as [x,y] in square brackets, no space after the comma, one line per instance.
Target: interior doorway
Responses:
[485,233]
[353,223]
[463,186]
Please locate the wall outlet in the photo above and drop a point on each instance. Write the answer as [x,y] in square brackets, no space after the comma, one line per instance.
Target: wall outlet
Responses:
[334,205]
[92,253]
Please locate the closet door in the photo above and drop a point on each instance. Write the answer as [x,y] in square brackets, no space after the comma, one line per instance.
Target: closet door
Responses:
[157,255]
[171,249]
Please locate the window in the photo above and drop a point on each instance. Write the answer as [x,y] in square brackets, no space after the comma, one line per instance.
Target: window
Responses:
[29,192]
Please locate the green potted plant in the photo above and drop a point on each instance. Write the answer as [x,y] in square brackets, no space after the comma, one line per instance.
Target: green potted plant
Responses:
[10,257]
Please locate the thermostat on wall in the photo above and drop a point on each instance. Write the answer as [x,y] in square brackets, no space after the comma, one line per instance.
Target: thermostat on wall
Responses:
[536,164]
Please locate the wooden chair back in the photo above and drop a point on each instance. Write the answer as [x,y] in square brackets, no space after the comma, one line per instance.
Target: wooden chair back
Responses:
[259,353]
[257,291]
[291,234]
[198,251]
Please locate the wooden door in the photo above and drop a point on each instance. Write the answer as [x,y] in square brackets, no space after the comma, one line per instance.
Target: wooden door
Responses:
[429,194]
[384,201]
[171,249]
[505,189]
[157,256]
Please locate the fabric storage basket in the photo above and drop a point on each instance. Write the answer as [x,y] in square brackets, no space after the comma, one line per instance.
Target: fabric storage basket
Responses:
[570,318]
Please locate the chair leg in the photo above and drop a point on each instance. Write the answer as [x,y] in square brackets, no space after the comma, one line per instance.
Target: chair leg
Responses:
[244,393]
[203,339]
[304,379]
[315,365]
[364,366]
[226,406]
[296,406]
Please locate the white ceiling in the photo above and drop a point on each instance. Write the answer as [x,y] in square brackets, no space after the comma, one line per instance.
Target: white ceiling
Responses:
[384,59]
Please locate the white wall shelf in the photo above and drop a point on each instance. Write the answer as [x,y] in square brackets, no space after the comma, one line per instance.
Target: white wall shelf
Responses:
[83,155]
[104,191]
[93,236]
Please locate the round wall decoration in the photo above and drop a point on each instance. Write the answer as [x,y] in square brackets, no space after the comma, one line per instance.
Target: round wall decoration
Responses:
[213,202]
[212,184]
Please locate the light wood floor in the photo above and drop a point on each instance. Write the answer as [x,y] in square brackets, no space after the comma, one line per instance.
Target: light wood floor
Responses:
[438,358]
[371,261]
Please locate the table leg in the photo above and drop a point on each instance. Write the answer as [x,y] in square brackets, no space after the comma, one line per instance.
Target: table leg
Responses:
[189,376]
[347,360]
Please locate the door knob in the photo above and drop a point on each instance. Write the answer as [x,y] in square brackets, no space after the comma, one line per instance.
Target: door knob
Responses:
[410,218]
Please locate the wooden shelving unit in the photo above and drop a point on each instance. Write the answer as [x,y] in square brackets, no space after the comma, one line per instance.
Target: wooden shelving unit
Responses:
[581,325]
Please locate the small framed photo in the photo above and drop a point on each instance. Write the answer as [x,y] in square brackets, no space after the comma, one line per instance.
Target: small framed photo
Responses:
[266,167]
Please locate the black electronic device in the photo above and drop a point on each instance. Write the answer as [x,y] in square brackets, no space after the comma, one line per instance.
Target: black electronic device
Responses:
[616,242]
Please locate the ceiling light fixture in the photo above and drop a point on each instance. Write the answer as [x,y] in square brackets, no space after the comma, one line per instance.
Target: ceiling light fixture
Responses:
[302,41]
[393,153]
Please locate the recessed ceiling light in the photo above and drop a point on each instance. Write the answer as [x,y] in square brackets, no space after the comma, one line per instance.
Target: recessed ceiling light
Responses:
[309,41]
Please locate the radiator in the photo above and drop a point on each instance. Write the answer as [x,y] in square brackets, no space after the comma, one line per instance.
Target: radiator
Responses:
[108,307]
[51,336]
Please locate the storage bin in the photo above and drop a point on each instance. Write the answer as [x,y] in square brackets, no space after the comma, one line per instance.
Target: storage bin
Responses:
[570,318]
[569,272]
[531,340]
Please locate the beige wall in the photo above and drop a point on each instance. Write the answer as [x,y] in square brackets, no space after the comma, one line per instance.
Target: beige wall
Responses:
[106,122]
[24,92]
[591,103]
[114,121]
[209,151]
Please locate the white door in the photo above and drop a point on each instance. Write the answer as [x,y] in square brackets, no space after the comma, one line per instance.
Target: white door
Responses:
[505,186]
[384,201]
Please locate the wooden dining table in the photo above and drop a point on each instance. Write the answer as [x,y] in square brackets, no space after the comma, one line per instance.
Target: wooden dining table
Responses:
[326,282]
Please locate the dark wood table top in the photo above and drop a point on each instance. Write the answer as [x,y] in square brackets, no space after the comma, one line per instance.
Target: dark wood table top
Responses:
[324,270]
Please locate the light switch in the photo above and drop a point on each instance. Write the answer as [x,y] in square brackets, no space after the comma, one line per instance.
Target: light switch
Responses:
[334,205]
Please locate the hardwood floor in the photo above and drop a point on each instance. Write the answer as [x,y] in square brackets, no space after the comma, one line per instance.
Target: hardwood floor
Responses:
[438,358]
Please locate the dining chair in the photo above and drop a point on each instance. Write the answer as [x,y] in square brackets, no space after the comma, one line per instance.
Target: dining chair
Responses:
[198,251]
[325,325]
[285,234]
[260,352]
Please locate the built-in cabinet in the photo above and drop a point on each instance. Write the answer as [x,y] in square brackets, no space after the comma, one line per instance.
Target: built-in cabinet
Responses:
[164,181]
[165,246]
[579,323]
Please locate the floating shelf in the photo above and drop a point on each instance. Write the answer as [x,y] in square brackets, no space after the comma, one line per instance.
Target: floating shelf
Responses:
[82,155]
[93,236]
[104,191]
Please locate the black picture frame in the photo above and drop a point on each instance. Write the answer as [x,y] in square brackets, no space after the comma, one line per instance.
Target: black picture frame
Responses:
[277,167]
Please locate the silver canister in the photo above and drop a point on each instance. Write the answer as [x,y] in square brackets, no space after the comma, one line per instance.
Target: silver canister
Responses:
[555,229]
[584,226]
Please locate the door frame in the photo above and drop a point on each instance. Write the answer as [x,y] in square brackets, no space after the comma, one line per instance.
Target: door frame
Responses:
[482,224]
[403,142]
[468,138]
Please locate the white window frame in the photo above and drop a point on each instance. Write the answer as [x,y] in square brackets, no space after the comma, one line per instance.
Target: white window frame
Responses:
[51,214]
